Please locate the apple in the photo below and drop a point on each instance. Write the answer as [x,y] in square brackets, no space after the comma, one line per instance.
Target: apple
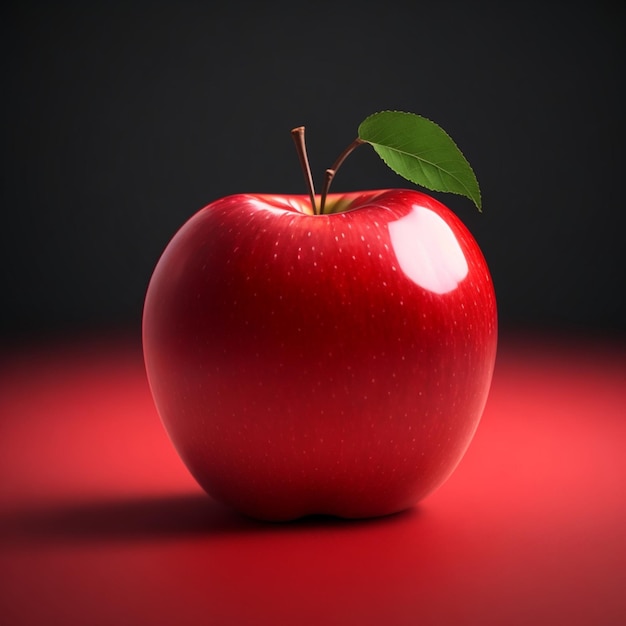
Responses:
[333,363]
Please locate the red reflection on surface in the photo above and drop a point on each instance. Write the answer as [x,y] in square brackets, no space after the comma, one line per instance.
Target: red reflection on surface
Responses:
[100,522]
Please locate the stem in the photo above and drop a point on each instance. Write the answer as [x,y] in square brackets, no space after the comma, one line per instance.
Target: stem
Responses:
[330,173]
[298,137]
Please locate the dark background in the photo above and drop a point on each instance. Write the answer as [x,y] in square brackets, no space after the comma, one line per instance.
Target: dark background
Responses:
[121,119]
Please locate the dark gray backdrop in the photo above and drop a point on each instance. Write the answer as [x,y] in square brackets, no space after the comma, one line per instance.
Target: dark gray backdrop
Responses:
[121,119]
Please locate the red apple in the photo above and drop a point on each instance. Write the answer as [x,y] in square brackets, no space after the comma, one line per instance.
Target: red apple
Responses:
[321,364]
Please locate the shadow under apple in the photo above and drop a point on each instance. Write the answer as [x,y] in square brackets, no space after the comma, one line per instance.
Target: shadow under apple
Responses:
[147,518]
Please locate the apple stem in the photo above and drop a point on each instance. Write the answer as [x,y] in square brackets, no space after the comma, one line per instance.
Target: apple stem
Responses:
[298,137]
[330,173]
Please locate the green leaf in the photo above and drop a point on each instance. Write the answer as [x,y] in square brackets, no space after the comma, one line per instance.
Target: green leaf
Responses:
[420,151]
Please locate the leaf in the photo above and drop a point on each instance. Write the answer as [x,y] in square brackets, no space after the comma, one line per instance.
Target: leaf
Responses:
[420,151]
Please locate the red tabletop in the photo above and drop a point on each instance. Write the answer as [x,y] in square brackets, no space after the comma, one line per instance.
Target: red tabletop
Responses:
[100,523]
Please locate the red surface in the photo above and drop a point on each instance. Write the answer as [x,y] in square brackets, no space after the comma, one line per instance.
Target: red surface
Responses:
[101,524]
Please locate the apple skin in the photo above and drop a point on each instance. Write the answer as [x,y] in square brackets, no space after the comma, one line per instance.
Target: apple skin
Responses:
[335,364]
